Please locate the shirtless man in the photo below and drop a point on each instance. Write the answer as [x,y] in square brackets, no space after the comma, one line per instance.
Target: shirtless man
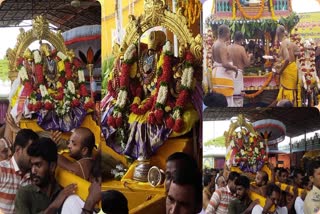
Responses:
[241,59]
[288,69]
[81,146]
[222,79]
[261,181]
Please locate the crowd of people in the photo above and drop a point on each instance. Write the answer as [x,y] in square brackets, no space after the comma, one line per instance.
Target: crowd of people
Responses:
[230,60]
[28,181]
[231,194]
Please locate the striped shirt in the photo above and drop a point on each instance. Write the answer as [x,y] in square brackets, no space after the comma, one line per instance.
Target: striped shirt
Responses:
[11,179]
[219,201]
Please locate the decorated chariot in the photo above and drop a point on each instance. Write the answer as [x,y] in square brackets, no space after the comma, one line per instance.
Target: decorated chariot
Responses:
[258,20]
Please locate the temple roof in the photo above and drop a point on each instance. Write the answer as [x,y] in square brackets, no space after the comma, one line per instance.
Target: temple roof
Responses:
[60,13]
[298,121]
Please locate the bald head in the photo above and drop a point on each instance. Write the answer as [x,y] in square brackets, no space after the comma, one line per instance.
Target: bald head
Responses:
[261,178]
[281,32]
[87,138]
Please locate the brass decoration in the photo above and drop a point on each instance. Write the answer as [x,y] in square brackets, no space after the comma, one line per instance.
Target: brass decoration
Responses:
[40,31]
[157,14]
[240,122]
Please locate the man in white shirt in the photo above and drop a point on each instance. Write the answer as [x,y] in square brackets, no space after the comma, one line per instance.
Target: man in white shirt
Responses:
[273,197]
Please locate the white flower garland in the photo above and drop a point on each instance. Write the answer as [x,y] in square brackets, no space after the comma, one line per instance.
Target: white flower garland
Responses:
[23,74]
[37,57]
[81,76]
[71,87]
[128,55]
[162,94]
[187,77]
[62,56]
[122,98]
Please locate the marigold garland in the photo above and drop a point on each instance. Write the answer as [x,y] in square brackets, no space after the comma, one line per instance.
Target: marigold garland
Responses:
[273,16]
[248,16]
[265,84]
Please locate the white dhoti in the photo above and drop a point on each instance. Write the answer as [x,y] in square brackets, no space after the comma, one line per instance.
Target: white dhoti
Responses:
[238,88]
[222,82]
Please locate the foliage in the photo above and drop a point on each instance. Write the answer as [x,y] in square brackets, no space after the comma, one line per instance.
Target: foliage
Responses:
[4,69]
[218,142]
[254,28]
[107,67]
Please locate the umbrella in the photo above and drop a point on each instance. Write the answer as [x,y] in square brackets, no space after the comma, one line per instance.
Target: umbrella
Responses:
[272,130]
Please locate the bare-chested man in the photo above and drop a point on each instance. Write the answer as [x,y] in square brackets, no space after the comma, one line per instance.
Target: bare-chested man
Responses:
[81,145]
[288,69]
[260,185]
[223,72]
[241,59]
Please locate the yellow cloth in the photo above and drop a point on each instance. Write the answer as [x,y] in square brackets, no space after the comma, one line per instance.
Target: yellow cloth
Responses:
[222,80]
[288,83]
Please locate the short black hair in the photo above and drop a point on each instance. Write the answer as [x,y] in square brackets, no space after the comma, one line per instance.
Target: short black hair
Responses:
[223,30]
[272,188]
[214,99]
[24,136]
[313,166]
[44,148]
[243,181]
[182,177]
[305,181]
[206,179]
[238,36]
[233,176]
[114,202]
[282,170]
[188,161]
[297,172]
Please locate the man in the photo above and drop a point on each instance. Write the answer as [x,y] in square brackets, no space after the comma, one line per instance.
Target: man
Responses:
[44,194]
[221,198]
[283,176]
[5,151]
[273,197]
[261,181]
[297,177]
[222,77]
[184,195]
[312,201]
[240,59]
[288,69]
[14,172]
[243,204]
[299,202]
[81,146]
[182,161]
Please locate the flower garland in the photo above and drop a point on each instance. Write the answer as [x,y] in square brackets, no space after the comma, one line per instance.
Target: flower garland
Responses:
[273,16]
[265,84]
[116,119]
[245,15]
[65,96]
[249,150]
[175,121]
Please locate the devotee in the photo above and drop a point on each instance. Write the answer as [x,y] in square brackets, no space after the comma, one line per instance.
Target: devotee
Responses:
[213,100]
[242,204]
[14,172]
[240,59]
[221,197]
[5,151]
[208,186]
[312,201]
[114,202]
[183,162]
[298,175]
[184,195]
[273,197]
[287,69]
[283,176]
[81,145]
[44,194]
[299,203]
[223,72]
[220,182]
[261,181]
